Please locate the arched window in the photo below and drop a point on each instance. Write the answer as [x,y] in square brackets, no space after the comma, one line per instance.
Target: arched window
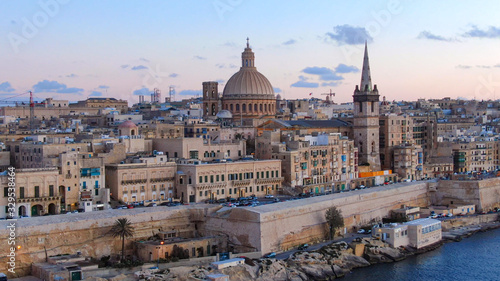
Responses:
[373,146]
[249,107]
[265,107]
[360,147]
[261,107]
[243,108]
[231,107]
[246,62]
[237,107]
[255,106]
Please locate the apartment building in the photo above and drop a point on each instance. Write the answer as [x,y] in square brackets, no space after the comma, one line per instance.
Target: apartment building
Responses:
[314,163]
[136,182]
[200,181]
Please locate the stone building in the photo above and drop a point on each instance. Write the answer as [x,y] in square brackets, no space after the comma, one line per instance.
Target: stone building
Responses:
[366,118]
[136,182]
[408,161]
[314,163]
[211,100]
[475,154]
[199,181]
[248,93]
[121,105]
[38,192]
[202,149]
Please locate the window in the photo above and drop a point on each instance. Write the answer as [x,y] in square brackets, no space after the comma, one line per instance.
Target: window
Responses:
[206,178]
[230,191]
[193,154]
[267,174]
[51,190]
[5,192]
[200,179]
[217,178]
[21,192]
[37,191]
[222,191]
[222,177]
[212,179]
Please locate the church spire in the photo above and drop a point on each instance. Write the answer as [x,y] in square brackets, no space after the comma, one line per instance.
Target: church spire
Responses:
[366,79]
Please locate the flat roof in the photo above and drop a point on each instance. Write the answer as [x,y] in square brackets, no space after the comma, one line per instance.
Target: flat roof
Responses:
[423,222]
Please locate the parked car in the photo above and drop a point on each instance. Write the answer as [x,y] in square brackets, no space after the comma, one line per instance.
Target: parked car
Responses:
[303,247]
[276,200]
[449,215]
[361,231]
[433,216]
[152,205]
[269,196]
[270,255]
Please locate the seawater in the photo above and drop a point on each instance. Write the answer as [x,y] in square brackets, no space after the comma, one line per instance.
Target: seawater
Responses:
[473,258]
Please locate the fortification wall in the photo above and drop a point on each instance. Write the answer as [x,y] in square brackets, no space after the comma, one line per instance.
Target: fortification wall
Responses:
[485,194]
[88,233]
[285,225]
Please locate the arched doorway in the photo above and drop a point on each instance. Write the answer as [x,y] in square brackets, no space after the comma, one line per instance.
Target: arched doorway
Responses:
[22,211]
[52,208]
[36,210]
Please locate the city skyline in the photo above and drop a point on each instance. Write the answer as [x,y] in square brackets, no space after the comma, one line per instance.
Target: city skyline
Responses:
[74,50]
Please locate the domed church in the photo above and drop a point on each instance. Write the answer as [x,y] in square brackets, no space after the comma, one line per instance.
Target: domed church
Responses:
[247,94]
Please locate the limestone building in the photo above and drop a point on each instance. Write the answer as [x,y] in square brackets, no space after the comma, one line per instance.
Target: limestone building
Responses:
[121,105]
[200,181]
[247,94]
[366,118]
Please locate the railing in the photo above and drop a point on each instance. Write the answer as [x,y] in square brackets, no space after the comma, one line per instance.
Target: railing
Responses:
[38,199]
[203,186]
[240,182]
[162,179]
[134,181]
[269,180]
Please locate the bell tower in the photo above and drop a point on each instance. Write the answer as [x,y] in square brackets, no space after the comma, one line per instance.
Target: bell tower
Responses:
[366,118]
[210,99]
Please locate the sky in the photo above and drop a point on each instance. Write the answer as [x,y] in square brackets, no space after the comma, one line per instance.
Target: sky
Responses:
[75,49]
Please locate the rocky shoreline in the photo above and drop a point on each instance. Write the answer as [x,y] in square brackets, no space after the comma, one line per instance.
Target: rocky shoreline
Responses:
[327,263]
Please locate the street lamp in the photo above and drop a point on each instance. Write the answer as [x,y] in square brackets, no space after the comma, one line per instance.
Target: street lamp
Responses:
[158,258]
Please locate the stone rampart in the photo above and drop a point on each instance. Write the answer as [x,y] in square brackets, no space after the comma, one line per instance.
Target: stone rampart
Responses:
[286,225]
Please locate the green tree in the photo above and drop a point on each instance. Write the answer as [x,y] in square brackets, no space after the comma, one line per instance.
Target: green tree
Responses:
[334,219]
[122,228]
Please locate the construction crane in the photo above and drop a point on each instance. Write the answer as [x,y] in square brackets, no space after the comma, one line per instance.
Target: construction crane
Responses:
[331,95]
[31,105]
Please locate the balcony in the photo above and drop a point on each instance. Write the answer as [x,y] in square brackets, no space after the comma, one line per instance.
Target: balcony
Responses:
[138,181]
[240,183]
[217,185]
[269,180]
[162,179]
[38,199]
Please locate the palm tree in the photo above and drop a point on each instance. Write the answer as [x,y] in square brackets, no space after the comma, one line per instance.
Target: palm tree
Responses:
[122,228]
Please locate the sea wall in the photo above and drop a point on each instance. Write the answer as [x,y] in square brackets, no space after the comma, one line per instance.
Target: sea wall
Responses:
[485,194]
[286,225]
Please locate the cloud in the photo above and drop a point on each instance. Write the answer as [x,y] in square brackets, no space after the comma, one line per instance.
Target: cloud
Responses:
[221,65]
[189,93]
[220,81]
[342,68]
[463,66]
[144,60]
[289,42]
[139,67]
[324,73]
[483,66]
[124,66]
[47,86]
[199,58]
[304,84]
[475,32]
[72,75]
[96,94]
[497,65]
[329,84]
[277,90]
[349,35]
[143,91]
[427,35]
[230,44]
[173,75]
[6,87]
[103,87]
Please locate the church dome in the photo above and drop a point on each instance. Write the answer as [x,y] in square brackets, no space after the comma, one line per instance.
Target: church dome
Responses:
[248,82]
[127,125]
[224,114]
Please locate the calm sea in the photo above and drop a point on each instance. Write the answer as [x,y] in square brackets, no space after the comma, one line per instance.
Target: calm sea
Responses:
[474,258]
